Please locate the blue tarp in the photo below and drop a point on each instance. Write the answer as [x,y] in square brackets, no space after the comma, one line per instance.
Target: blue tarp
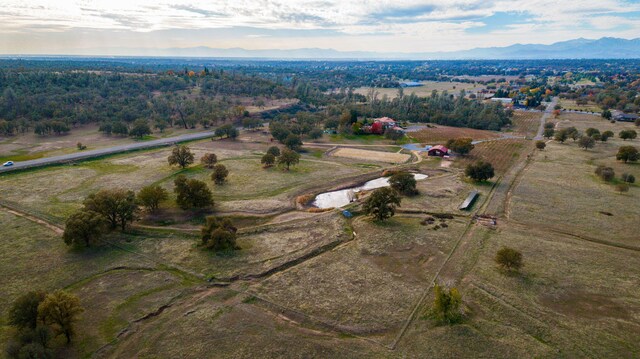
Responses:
[347,214]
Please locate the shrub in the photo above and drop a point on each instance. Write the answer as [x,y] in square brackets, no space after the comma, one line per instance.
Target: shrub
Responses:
[606,173]
[622,187]
[541,145]
[219,234]
[629,178]
[447,305]
[480,171]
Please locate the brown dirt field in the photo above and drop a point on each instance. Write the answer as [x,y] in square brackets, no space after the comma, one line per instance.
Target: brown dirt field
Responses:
[442,134]
[368,155]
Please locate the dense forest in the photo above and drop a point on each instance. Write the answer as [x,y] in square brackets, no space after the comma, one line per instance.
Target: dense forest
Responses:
[78,97]
[52,95]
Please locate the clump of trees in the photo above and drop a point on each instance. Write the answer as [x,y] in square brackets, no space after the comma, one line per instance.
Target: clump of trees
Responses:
[461,146]
[509,259]
[37,318]
[606,135]
[227,131]
[116,128]
[480,171]
[151,196]
[104,210]
[209,160]
[84,228]
[404,183]
[219,235]
[181,156]
[447,306]
[220,173]
[118,206]
[382,203]
[605,173]
[627,154]
[192,193]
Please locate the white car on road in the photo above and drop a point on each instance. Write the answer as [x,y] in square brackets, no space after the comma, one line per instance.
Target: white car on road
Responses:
[7,164]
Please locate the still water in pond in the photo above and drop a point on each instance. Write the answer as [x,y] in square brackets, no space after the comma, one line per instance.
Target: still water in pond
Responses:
[343,197]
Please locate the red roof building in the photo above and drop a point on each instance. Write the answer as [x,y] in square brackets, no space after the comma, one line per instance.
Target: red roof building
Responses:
[438,150]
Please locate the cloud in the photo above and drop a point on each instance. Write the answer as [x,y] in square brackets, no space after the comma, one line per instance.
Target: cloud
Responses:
[415,25]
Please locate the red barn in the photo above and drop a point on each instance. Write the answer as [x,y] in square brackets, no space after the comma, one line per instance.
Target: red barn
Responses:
[438,150]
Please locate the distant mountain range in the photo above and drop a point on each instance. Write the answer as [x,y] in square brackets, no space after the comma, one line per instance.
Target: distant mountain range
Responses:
[604,48]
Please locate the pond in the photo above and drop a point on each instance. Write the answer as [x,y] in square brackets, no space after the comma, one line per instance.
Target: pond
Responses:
[414,147]
[341,198]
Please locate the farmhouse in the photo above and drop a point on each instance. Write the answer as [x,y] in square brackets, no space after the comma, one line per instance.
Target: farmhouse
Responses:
[624,117]
[382,123]
[438,150]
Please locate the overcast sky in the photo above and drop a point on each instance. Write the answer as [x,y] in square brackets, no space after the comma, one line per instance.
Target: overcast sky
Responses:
[94,27]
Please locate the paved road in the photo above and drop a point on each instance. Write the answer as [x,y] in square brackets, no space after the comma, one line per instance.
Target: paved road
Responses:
[544,117]
[81,155]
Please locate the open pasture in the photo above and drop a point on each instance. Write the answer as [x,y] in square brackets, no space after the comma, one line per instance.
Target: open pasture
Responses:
[422,91]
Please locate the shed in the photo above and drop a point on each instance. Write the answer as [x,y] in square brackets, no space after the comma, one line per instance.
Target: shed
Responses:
[468,203]
[438,150]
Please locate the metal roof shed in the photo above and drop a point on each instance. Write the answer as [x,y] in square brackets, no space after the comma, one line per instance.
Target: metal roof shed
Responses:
[468,203]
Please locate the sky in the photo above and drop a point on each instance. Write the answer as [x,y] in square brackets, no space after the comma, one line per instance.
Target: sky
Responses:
[127,27]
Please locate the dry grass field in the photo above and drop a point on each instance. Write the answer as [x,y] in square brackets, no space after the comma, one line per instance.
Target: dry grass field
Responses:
[422,91]
[367,155]
[322,285]
[441,134]
[568,104]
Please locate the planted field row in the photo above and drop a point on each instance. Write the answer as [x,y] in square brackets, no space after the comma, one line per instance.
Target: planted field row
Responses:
[526,123]
[441,134]
[501,154]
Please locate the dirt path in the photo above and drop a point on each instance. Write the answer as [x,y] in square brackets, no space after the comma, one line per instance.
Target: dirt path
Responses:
[58,230]
[544,118]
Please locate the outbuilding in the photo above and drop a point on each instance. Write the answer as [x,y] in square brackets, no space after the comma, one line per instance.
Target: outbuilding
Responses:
[438,150]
